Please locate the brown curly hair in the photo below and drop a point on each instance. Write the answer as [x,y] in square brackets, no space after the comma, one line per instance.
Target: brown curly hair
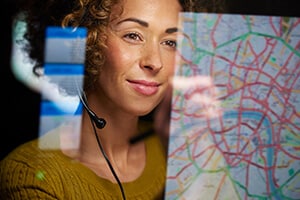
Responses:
[92,14]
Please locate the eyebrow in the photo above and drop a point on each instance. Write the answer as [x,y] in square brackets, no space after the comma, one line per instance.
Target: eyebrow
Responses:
[172,30]
[141,22]
[146,24]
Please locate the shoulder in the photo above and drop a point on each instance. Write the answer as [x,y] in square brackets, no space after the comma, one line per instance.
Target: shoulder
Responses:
[40,173]
[23,168]
[24,151]
[29,152]
[28,159]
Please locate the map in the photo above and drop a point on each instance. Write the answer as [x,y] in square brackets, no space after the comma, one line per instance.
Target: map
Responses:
[235,116]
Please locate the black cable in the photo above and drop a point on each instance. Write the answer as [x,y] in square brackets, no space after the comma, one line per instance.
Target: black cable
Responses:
[83,99]
[107,160]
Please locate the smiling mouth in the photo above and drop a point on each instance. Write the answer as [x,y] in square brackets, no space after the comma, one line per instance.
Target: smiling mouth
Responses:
[144,87]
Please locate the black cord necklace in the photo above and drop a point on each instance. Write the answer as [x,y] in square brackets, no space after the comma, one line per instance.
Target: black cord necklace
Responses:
[107,160]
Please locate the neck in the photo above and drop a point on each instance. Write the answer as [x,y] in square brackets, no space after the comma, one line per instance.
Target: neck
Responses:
[114,138]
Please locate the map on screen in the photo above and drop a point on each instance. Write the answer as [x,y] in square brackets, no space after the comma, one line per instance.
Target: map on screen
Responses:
[235,117]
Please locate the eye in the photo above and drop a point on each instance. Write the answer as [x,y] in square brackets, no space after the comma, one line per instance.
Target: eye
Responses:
[171,43]
[133,36]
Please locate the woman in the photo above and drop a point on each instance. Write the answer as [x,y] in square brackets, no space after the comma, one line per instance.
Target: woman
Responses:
[130,55]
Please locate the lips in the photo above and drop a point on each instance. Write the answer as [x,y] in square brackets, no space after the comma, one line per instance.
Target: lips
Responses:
[144,87]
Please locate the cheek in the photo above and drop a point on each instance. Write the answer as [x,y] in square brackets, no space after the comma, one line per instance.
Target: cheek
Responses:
[118,57]
[170,64]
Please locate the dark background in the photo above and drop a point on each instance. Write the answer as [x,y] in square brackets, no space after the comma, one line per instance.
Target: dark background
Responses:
[267,7]
[20,105]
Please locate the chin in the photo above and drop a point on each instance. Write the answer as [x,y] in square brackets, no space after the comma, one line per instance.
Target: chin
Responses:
[143,107]
[144,112]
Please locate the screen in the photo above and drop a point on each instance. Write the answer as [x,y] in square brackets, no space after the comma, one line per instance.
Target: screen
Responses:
[235,118]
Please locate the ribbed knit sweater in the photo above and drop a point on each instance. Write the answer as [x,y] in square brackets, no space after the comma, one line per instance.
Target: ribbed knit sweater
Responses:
[29,172]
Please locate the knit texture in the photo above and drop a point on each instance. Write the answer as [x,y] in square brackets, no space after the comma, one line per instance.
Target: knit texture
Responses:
[29,172]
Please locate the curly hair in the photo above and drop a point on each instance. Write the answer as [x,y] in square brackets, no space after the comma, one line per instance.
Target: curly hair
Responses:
[95,16]
[92,14]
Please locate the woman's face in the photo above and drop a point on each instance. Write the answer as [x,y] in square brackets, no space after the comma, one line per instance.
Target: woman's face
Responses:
[141,48]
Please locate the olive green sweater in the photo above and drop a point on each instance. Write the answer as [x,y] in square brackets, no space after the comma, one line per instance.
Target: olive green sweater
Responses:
[29,172]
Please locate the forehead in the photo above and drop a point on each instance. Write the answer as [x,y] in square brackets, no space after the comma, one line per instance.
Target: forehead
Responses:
[147,10]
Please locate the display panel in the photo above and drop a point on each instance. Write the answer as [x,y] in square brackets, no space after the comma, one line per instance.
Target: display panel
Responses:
[235,118]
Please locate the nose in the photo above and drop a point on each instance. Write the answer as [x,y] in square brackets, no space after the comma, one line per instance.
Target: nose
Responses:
[151,57]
